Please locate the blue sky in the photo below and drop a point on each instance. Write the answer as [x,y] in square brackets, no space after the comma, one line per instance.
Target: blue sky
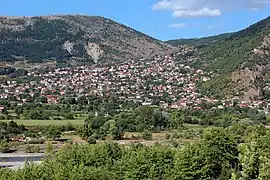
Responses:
[162,19]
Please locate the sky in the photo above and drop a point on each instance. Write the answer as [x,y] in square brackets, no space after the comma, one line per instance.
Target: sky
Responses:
[162,19]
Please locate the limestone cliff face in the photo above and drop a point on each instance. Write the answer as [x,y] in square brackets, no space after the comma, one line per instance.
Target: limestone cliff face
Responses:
[94,51]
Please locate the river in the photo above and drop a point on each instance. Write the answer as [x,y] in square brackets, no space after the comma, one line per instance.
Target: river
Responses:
[16,161]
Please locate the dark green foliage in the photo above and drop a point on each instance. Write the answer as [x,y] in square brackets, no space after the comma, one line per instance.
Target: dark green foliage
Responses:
[36,141]
[4,146]
[30,134]
[223,117]
[52,132]
[200,42]
[69,116]
[44,47]
[231,54]
[207,158]
[91,140]
[32,148]
[147,135]
[37,114]
[217,155]
[42,38]
[9,129]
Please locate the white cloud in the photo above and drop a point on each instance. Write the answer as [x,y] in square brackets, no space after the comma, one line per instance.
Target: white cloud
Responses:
[199,13]
[204,8]
[179,25]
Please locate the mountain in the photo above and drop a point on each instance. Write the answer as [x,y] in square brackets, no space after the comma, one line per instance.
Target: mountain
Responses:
[199,42]
[87,39]
[239,63]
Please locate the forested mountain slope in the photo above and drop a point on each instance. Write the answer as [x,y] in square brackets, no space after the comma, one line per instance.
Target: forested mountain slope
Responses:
[238,62]
[199,42]
[81,38]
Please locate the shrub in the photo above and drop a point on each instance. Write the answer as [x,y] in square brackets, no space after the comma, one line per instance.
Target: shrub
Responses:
[167,136]
[70,141]
[176,136]
[69,116]
[4,147]
[91,140]
[28,148]
[31,148]
[49,149]
[31,134]
[36,141]
[14,145]
[175,144]
[36,149]
[147,135]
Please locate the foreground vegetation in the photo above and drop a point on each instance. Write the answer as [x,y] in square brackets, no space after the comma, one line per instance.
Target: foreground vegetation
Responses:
[230,143]
[236,152]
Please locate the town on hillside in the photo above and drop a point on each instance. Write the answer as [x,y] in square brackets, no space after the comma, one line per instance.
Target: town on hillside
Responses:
[168,81]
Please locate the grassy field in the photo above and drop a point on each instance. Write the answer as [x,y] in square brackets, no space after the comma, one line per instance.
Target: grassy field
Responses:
[47,122]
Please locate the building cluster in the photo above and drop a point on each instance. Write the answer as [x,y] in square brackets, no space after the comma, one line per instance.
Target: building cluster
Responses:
[169,81]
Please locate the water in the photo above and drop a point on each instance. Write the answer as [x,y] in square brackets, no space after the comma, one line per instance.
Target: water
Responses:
[21,159]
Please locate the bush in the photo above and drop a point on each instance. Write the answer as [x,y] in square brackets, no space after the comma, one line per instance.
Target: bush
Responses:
[70,141]
[2,117]
[28,148]
[36,149]
[147,135]
[36,141]
[14,145]
[49,149]
[4,147]
[91,140]
[176,136]
[30,134]
[69,116]
[167,136]
[32,148]
[175,144]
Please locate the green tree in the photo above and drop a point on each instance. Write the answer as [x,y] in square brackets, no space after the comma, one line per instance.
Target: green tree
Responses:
[147,135]
[4,147]
[52,132]
[208,158]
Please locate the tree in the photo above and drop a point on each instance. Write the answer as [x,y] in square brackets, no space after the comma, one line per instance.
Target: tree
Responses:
[37,114]
[42,99]
[147,135]
[52,132]
[110,128]
[19,110]
[209,158]
[69,116]
[49,149]
[4,146]
[254,156]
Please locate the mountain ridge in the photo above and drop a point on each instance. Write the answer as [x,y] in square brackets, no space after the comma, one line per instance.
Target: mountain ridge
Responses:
[64,37]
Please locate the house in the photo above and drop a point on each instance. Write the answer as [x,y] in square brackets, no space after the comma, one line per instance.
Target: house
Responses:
[2,108]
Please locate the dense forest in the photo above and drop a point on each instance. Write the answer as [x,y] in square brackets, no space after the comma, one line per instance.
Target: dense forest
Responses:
[199,42]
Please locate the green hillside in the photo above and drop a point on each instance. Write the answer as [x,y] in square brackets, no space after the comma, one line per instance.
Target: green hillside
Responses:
[73,37]
[229,53]
[200,42]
